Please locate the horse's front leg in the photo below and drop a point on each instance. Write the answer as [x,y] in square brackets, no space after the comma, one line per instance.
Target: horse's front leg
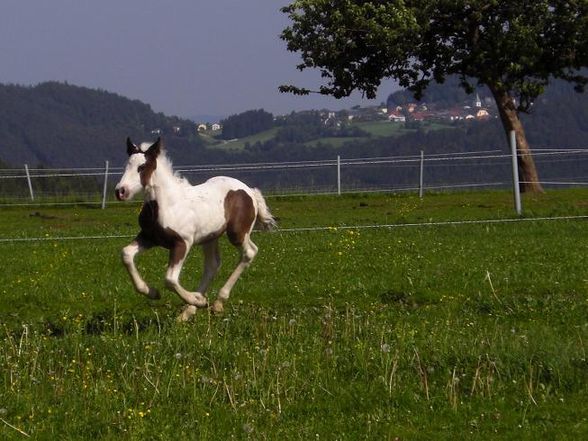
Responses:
[177,256]
[128,257]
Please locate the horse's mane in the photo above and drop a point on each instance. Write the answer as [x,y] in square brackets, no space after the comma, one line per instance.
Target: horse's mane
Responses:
[165,164]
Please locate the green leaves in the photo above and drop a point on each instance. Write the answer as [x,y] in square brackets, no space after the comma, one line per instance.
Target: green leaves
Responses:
[520,45]
[353,44]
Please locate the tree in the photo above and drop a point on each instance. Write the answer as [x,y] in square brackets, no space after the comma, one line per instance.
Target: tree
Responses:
[514,47]
[246,124]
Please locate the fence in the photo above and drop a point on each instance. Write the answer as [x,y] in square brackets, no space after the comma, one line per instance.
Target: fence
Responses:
[418,173]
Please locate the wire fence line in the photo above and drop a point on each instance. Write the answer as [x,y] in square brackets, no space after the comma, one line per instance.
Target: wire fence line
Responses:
[409,160]
[440,172]
[7,240]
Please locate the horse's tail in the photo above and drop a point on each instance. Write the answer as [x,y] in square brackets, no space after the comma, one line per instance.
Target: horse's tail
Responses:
[265,220]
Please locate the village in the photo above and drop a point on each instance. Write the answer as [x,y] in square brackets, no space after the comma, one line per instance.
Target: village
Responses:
[479,110]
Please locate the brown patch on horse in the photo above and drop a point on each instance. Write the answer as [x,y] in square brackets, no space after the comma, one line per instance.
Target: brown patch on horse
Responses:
[240,215]
[146,171]
[154,233]
[150,165]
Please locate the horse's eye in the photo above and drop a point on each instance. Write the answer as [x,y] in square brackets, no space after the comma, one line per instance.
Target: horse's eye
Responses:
[141,168]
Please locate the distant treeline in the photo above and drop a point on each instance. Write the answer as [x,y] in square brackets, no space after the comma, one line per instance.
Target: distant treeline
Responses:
[559,119]
[56,124]
[246,124]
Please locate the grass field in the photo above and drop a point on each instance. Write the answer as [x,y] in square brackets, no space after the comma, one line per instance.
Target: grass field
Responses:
[239,144]
[439,331]
[377,129]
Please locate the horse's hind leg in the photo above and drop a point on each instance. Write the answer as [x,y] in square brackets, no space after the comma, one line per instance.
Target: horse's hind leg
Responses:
[128,257]
[211,266]
[248,252]
[177,256]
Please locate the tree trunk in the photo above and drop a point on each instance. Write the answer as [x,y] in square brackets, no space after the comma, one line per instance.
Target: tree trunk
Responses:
[510,121]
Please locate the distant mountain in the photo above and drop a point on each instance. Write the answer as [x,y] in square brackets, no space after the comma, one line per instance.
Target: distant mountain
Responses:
[206,118]
[57,124]
[60,125]
[447,94]
[558,118]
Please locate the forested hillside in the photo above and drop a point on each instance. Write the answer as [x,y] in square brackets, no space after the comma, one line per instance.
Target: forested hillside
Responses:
[246,123]
[56,124]
[558,119]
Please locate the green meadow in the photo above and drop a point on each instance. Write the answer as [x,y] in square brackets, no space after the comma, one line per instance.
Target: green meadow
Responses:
[380,316]
[376,129]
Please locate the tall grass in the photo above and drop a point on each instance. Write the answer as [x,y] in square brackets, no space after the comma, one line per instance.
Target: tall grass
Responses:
[438,332]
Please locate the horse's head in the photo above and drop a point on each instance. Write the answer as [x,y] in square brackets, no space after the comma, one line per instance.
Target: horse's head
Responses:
[138,171]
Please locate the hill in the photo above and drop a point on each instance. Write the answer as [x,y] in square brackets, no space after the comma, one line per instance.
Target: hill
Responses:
[57,124]
[61,125]
[558,118]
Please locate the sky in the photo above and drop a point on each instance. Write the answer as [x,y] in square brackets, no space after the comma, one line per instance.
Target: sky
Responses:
[182,57]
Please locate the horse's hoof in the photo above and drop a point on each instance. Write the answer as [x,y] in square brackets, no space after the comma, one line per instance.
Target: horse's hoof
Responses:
[200,301]
[187,313]
[217,307]
[153,294]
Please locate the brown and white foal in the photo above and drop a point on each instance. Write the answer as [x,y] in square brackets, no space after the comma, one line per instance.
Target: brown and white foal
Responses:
[177,215]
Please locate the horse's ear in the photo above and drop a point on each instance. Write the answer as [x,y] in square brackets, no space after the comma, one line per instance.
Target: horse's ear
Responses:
[154,151]
[131,148]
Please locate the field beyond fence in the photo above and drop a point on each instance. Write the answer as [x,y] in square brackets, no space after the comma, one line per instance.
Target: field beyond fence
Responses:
[364,316]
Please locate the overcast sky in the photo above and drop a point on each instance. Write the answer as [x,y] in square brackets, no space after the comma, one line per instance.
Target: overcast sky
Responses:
[183,57]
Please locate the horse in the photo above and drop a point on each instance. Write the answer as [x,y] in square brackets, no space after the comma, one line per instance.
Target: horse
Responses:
[177,215]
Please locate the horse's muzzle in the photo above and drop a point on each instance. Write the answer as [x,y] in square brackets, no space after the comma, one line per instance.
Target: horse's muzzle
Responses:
[120,193]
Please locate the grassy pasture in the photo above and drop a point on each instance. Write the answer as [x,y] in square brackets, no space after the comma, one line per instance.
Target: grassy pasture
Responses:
[239,144]
[459,331]
[378,129]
